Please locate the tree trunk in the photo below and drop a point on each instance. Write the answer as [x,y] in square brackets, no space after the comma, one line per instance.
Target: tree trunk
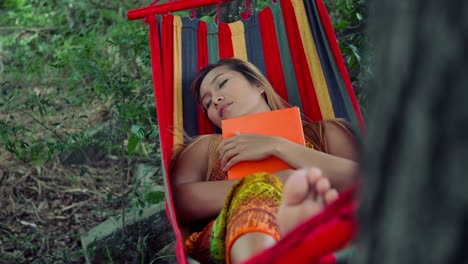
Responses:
[414,200]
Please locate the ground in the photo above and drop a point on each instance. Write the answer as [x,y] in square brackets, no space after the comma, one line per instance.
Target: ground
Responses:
[45,209]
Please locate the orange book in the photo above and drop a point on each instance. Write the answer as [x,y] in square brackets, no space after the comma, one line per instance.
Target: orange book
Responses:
[284,123]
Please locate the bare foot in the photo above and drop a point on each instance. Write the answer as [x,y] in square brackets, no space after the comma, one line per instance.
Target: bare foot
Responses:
[305,194]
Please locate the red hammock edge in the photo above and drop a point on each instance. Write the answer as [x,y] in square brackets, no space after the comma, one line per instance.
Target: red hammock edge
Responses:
[169,7]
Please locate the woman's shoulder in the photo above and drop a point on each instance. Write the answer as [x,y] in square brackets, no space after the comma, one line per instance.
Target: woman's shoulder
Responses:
[340,138]
[333,136]
[199,145]
[190,162]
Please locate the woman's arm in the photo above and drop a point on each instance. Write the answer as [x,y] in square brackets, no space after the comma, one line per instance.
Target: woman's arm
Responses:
[339,165]
[194,197]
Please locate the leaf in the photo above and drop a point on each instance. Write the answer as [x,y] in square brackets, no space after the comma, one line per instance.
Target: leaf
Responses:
[355,51]
[341,24]
[359,16]
[137,134]
[138,131]
[142,150]
[154,197]
[132,144]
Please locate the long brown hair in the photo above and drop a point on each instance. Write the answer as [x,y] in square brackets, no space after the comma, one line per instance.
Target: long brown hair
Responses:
[313,130]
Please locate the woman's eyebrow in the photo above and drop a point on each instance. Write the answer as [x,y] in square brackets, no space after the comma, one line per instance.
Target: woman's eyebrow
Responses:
[216,77]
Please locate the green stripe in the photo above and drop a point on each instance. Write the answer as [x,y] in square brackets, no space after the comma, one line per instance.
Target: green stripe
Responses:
[344,256]
[286,60]
[342,86]
[212,42]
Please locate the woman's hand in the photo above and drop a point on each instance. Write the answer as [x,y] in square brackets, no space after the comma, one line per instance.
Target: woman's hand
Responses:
[243,147]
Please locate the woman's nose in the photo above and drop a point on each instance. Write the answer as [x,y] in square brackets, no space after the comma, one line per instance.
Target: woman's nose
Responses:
[218,99]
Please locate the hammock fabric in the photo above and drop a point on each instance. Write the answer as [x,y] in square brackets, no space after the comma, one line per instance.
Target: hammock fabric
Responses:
[292,42]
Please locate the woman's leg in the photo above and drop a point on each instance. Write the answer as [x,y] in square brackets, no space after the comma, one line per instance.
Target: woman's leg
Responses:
[251,216]
[250,244]
[304,195]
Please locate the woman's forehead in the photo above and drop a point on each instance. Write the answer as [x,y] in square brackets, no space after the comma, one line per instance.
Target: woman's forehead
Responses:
[217,72]
[213,75]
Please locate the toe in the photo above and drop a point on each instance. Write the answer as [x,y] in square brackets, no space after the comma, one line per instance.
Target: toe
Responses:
[296,188]
[331,196]
[313,175]
[322,185]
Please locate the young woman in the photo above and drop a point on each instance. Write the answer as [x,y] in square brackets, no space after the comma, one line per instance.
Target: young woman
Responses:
[232,220]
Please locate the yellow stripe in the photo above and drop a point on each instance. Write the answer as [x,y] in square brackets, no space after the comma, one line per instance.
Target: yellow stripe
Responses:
[238,40]
[313,61]
[178,112]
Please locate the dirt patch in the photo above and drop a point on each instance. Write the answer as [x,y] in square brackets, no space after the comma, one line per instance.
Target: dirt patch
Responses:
[44,210]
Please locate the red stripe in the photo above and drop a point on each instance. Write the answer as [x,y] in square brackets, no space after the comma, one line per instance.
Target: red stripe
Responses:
[225,41]
[325,240]
[157,77]
[329,259]
[160,83]
[168,75]
[274,69]
[327,25]
[204,125]
[306,88]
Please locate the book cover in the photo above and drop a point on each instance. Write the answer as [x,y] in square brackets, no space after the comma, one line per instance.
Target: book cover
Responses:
[284,123]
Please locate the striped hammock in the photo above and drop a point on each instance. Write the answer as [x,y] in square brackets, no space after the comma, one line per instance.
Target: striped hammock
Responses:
[291,41]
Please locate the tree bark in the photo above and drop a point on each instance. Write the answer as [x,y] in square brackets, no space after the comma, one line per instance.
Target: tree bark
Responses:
[414,198]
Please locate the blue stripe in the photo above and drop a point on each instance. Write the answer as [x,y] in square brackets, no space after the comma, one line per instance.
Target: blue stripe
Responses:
[189,70]
[253,42]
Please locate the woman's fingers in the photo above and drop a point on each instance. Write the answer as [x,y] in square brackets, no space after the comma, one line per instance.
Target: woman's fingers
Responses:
[236,159]
[244,147]
[227,155]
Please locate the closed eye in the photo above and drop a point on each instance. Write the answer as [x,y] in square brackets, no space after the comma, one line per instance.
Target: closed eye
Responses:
[222,83]
[208,103]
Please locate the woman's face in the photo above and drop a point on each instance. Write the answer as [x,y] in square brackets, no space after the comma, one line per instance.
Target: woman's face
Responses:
[227,94]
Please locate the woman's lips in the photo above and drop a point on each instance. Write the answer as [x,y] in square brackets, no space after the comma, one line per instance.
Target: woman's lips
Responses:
[223,108]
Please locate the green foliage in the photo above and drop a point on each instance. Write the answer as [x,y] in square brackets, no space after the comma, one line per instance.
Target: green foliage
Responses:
[154,197]
[69,62]
[75,76]
[349,18]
